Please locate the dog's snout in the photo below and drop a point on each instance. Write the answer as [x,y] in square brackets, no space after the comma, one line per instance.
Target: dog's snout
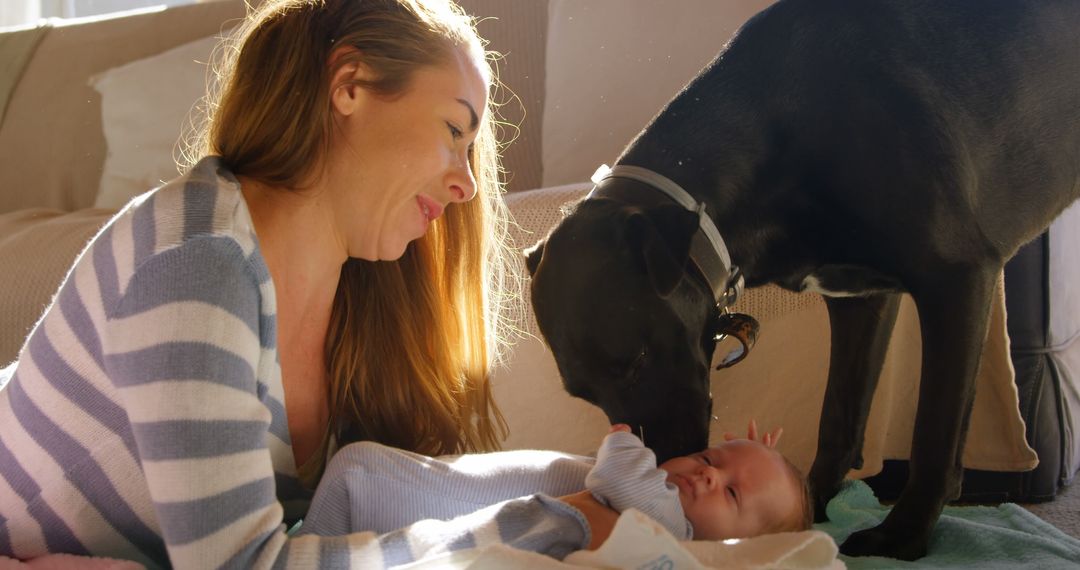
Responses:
[675,439]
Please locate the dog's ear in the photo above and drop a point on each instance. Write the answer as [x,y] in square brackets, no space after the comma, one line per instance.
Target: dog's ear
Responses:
[533,255]
[664,235]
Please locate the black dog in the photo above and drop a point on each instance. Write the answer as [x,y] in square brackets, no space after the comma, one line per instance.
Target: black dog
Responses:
[856,149]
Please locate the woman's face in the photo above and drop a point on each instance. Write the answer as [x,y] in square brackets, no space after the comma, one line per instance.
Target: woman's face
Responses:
[397,162]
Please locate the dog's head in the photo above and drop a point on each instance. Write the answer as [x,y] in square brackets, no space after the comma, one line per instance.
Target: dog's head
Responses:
[629,330]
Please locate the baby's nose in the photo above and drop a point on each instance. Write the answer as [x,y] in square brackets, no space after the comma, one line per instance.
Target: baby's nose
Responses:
[711,476]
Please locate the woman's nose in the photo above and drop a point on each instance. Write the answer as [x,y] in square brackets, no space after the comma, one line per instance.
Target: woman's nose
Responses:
[462,182]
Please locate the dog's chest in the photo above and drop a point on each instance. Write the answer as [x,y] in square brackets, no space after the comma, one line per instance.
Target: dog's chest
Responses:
[812,284]
[849,281]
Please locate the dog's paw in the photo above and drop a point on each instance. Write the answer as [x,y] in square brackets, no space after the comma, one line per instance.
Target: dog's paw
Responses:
[879,542]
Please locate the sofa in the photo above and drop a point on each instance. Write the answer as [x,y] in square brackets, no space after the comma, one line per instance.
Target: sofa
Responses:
[91,111]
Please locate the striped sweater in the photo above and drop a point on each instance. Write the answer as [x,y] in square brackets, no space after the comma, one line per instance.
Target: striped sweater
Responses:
[145,416]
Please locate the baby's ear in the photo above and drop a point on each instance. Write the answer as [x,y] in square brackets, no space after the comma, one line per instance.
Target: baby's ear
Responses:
[533,256]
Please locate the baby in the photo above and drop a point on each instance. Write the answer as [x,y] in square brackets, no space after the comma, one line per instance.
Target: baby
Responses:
[740,488]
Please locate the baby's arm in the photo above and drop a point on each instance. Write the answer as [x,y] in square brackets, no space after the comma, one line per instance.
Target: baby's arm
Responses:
[626,476]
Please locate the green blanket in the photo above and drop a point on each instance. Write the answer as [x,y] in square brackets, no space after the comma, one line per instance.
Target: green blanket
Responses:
[1006,536]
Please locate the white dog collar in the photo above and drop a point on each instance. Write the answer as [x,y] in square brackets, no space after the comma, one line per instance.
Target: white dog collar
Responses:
[707,248]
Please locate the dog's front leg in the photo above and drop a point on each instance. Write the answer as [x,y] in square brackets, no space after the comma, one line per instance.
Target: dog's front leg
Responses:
[954,307]
[861,329]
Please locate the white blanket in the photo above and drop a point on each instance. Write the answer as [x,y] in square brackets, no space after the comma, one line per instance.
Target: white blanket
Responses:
[639,543]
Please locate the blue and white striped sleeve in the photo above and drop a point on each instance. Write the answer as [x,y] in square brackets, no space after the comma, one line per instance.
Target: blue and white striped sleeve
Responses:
[182,347]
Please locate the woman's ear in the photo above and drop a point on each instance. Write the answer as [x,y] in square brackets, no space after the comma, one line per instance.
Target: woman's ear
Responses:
[345,94]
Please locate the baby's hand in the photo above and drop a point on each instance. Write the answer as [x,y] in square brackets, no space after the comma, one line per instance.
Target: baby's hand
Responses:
[620,427]
[769,439]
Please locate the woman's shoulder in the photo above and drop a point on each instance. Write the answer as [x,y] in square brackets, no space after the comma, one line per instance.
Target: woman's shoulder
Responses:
[193,225]
[205,204]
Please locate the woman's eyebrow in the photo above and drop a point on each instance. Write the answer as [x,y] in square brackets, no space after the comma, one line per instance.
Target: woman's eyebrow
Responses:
[474,121]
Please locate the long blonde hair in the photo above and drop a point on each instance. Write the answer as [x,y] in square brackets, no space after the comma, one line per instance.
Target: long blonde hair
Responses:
[411,343]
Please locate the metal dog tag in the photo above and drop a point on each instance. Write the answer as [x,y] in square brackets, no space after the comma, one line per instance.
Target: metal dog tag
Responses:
[742,328]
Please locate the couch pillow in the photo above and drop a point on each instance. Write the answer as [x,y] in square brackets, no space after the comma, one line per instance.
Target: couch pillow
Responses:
[146,105]
[52,148]
[612,64]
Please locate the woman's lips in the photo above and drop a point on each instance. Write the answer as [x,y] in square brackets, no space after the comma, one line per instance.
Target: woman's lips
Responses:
[428,207]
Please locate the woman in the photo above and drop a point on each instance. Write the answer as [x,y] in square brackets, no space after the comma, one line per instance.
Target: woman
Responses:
[329,271]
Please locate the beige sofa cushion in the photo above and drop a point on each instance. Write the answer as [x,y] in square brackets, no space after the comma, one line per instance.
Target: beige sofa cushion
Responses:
[51,144]
[18,47]
[37,247]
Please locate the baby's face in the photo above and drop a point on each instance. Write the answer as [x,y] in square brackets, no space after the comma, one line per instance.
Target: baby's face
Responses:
[735,490]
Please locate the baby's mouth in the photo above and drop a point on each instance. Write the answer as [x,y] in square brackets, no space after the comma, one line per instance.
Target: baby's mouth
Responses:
[685,484]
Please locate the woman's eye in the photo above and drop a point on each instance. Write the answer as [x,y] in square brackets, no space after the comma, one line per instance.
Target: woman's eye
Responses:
[454,131]
[731,491]
[705,459]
